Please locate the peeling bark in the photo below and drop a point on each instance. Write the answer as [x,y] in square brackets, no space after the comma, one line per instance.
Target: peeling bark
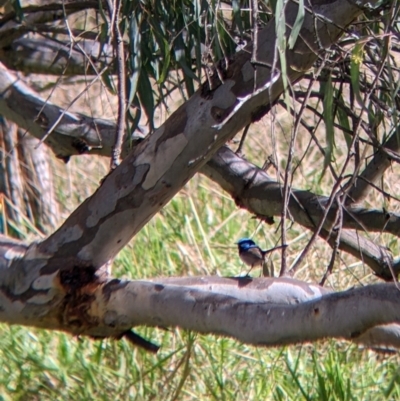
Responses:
[38,182]
[25,183]
[256,311]
[60,283]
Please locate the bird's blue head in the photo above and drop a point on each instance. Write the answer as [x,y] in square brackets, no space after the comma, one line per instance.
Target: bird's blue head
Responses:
[246,243]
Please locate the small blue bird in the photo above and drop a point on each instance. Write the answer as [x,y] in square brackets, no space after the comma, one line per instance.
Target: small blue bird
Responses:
[251,254]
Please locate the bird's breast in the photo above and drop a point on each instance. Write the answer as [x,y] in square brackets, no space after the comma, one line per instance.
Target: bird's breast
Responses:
[252,257]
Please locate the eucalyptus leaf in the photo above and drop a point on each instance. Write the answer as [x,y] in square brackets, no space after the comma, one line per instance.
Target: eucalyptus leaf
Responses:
[145,93]
[327,91]
[297,25]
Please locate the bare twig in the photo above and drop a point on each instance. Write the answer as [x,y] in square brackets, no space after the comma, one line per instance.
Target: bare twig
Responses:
[339,224]
[115,9]
[288,173]
[353,194]
[242,140]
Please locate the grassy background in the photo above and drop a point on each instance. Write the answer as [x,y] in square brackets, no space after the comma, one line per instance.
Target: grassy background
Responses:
[195,235]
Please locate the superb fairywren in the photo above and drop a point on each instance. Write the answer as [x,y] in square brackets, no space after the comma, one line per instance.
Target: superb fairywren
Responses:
[251,254]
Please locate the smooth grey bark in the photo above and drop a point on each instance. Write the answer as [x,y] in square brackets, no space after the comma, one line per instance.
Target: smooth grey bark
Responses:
[59,283]
[36,54]
[261,311]
[74,133]
[294,319]
[39,191]
[25,182]
[375,169]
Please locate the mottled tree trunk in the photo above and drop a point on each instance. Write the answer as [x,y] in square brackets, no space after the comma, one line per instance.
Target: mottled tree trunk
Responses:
[26,183]
[60,283]
[38,179]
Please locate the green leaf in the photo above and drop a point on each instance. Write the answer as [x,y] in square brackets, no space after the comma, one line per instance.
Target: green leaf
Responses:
[16,5]
[166,61]
[162,62]
[343,120]
[280,27]
[356,60]
[237,15]
[224,38]
[327,90]
[108,82]
[146,97]
[180,56]
[135,56]
[297,25]
[104,20]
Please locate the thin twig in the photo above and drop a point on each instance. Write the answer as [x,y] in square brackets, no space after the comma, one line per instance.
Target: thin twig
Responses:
[65,110]
[254,23]
[114,10]
[288,174]
[335,189]
[241,101]
[241,144]
[351,185]
[339,223]
[318,228]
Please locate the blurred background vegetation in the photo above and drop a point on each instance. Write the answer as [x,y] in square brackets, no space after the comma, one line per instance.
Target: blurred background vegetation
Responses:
[194,235]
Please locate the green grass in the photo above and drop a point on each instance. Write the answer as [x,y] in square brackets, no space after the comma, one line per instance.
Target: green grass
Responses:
[193,235]
[38,365]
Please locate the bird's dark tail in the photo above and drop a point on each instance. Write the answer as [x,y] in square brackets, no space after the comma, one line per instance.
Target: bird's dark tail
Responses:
[273,249]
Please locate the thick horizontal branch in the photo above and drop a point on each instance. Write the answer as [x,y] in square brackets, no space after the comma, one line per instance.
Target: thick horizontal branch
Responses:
[204,309]
[254,190]
[251,187]
[40,14]
[73,134]
[46,56]
[262,311]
